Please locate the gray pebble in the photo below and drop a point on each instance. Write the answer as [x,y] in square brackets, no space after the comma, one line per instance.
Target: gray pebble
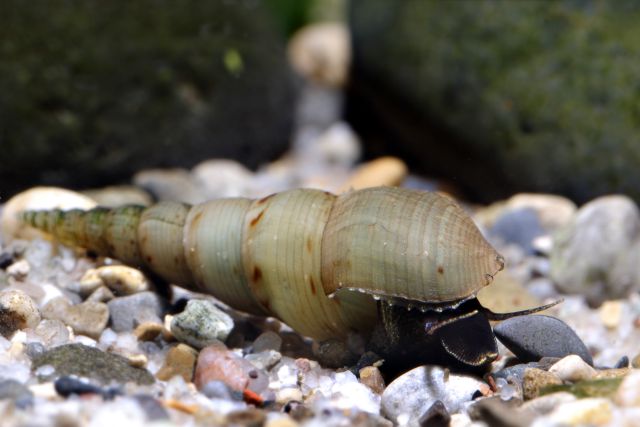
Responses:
[265,359]
[89,318]
[268,340]
[201,323]
[516,372]
[436,416]
[217,390]
[152,407]
[34,349]
[130,311]
[53,332]
[17,392]
[533,337]
[518,226]
[413,393]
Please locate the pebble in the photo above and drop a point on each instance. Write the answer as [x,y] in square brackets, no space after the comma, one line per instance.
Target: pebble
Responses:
[321,52]
[89,318]
[16,392]
[572,368]
[180,360]
[496,412]
[83,361]
[586,249]
[535,380]
[101,294]
[19,270]
[412,393]
[216,362]
[53,332]
[66,386]
[148,331]
[334,353]
[384,171]
[119,195]
[590,411]
[628,393]
[17,311]
[552,210]
[436,416]
[265,359]
[218,178]
[152,407]
[611,313]
[169,184]
[201,323]
[268,340]
[217,390]
[130,311]
[635,362]
[543,405]
[372,378]
[120,279]
[37,198]
[518,226]
[533,337]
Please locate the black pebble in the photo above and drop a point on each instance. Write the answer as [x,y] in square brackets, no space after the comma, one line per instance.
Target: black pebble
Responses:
[533,337]
[6,259]
[66,386]
[436,416]
[622,363]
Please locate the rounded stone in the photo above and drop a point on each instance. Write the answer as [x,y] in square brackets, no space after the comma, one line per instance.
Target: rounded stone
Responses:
[17,311]
[201,323]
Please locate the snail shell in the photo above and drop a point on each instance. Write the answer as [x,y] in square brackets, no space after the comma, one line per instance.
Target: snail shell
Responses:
[296,255]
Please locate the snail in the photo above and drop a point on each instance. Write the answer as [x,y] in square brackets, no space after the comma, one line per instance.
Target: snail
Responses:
[400,266]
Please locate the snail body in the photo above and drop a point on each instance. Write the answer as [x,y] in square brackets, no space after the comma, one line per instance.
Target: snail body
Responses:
[315,260]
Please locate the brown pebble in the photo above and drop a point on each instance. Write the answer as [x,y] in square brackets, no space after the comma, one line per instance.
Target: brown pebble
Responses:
[180,360]
[612,373]
[216,362]
[635,362]
[535,380]
[372,378]
[180,406]
[137,360]
[148,331]
[249,417]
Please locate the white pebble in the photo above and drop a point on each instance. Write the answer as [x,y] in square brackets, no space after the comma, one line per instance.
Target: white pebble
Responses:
[628,393]
[589,411]
[572,368]
[19,269]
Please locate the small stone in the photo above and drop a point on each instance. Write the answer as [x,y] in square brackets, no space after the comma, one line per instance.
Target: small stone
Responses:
[622,363]
[628,393]
[384,171]
[130,311]
[415,391]
[518,226]
[533,337]
[288,394]
[101,294]
[334,353]
[19,270]
[372,378]
[120,279]
[436,416]
[34,349]
[217,390]
[516,372]
[590,411]
[496,412]
[283,421]
[635,362]
[84,361]
[17,311]
[169,184]
[66,386]
[586,249]
[53,332]
[218,178]
[552,210]
[6,259]
[268,340]
[152,407]
[535,380]
[201,323]
[611,313]
[88,318]
[265,359]
[137,360]
[180,360]
[249,417]
[543,405]
[216,362]
[119,195]
[572,368]
[148,331]
[17,392]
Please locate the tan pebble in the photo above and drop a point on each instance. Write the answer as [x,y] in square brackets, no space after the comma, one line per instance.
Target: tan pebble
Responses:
[283,421]
[572,368]
[17,311]
[321,52]
[372,378]
[122,280]
[590,411]
[37,198]
[612,373]
[288,394]
[635,362]
[554,211]
[148,331]
[102,294]
[19,270]
[115,196]
[89,318]
[187,408]
[535,380]
[137,360]
[628,393]
[166,328]
[389,171]
[180,360]
[611,313]
[250,417]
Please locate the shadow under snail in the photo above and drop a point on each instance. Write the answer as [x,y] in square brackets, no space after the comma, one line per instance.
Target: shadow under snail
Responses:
[401,267]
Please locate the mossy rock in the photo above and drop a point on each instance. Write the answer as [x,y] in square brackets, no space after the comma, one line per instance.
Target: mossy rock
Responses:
[503,96]
[91,92]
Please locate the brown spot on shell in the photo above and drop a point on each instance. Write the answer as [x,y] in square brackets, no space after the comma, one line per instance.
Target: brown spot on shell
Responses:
[149,259]
[255,220]
[440,269]
[264,199]
[313,285]
[196,218]
[257,274]
[309,244]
